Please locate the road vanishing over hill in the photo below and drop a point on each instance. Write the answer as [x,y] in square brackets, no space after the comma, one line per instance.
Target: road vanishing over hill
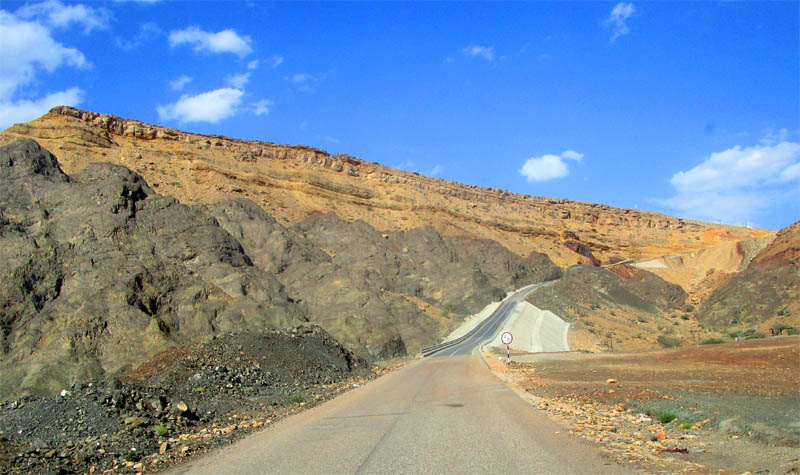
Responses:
[484,332]
[442,414]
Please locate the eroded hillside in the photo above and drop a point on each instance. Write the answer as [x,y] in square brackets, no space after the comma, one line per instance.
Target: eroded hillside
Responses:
[99,272]
[289,182]
[765,295]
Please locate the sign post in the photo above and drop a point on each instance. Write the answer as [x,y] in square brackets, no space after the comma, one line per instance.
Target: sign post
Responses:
[507,338]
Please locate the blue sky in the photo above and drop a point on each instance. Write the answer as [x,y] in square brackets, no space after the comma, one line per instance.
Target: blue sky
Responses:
[690,109]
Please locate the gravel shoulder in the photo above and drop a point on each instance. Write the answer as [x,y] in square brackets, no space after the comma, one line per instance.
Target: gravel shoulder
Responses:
[179,404]
[736,406]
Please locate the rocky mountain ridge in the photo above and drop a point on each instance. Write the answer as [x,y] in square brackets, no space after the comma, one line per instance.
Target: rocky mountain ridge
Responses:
[291,181]
[155,237]
[99,272]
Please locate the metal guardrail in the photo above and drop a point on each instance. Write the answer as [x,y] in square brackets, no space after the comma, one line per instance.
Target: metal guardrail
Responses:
[441,346]
[427,351]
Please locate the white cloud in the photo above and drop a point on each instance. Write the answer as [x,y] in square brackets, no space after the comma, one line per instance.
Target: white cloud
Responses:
[23,111]
[225,41]
[572,155]
[252,65]
[177,84]
[56,14]
[771,137]
[262,107]
[305,82]
[617,18]
[737,184]
[738,167]
[435,171]
[548,167]
[276,61]
[300,78]
[237,81]
[212,106]
[411,166]
[483,52]
[26,47]
[408,165]
[790,173]
[146,32]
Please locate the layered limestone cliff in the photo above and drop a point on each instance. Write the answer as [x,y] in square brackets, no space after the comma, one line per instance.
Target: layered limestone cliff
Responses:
[289,182]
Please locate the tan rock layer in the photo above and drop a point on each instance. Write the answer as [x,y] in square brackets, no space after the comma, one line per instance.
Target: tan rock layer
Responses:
[290,181]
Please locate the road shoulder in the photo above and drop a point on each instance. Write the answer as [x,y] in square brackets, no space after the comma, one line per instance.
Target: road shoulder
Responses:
[606,403]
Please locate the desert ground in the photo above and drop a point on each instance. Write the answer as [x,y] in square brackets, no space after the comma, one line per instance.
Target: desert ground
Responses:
[732,407]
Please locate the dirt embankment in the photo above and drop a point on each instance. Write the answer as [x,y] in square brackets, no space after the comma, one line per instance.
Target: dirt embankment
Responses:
[182,402]
[731,407]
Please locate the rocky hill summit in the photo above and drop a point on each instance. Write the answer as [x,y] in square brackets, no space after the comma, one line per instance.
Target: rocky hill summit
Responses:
[289,182]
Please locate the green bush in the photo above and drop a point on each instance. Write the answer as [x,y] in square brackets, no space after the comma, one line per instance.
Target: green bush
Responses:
[712,341]
[298,397]
[160,430]
[669,341]
[688,307]
[451,308]
[755,336]
[687,425]
[685,317]
[782,326]
[665,417]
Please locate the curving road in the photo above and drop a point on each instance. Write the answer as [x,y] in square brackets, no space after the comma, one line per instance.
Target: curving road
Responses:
[487,329]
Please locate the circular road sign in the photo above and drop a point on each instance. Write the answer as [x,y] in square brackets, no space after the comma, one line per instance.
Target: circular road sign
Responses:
[506,338]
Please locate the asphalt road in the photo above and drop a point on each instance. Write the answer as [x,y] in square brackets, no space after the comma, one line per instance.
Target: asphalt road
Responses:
[489,329]
[436,415]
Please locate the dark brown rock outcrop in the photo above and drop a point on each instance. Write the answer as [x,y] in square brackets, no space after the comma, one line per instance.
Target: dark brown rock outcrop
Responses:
[99,272]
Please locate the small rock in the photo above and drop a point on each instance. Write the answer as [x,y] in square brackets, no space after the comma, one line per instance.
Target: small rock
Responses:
[135,421]
[611,381]
[163,448]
